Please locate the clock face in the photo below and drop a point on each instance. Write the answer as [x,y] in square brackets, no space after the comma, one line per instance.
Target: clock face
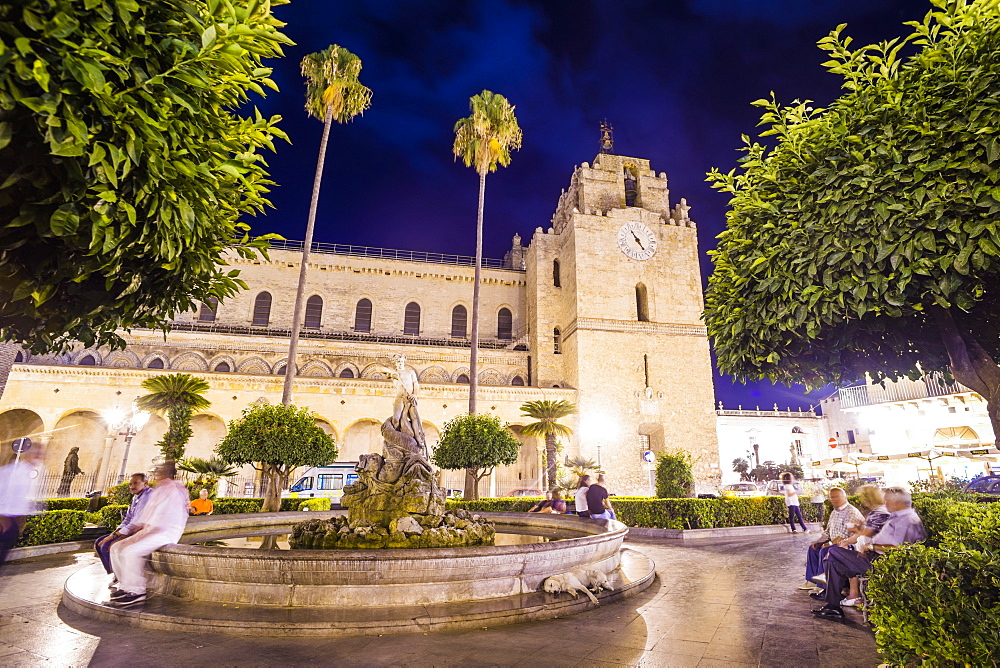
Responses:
[637,241]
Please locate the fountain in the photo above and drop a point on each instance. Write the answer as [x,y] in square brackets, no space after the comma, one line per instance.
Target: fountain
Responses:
[399,562]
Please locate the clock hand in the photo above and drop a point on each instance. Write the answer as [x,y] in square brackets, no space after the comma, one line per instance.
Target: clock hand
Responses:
[634,236]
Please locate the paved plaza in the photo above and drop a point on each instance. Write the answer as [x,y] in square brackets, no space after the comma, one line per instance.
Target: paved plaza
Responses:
[717,602]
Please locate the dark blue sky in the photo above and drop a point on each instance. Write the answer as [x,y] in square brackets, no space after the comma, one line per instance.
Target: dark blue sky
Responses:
[674,77]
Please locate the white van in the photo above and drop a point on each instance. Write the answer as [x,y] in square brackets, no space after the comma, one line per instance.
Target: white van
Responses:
[319,482]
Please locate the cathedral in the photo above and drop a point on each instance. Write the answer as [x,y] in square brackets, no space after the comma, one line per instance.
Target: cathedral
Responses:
[601,308]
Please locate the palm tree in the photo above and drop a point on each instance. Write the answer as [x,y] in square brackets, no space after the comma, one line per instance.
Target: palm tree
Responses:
[581,465]
[209,470]
[547,413]
[333,93]
[178,395]
[484,140]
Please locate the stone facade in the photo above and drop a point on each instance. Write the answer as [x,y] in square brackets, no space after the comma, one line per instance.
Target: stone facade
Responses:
[582,313]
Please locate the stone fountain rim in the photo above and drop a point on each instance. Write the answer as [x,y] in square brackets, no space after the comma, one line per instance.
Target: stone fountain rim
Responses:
[606,529]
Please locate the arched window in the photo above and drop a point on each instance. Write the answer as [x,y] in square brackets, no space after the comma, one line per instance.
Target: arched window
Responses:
[462,378]
[262,310]
[459,322]
[314,312]
[347,372]
[222,367]
[88,360]
[19,357]
[631,189]
[208,310]
[641,303]
[517,381]
[556,341]
[411,319]
[555,274]
[505,325]
[363,316]
[155,363]
[281,370]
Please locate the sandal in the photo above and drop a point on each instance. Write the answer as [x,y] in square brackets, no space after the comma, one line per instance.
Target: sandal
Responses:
[851,602]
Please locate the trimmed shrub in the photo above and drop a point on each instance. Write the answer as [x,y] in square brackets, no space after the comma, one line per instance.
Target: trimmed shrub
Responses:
[670,513]
[111,515]
[66,504]
[939,604]
[118,494]
[316,504]
[53,526]
[674,479]
[237,504]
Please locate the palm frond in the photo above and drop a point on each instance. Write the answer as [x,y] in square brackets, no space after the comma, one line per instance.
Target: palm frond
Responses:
[168,391]
[485,139]
[548,410]
[332,83]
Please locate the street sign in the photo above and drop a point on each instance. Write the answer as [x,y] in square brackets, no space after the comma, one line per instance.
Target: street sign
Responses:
[21,445]
[832,442]
[648,457]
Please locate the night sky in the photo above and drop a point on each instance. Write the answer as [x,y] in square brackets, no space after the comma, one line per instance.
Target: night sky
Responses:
[675,78]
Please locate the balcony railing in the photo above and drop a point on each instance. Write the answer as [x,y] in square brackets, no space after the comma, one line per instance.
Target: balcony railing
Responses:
[930,385]
[243,330]
[392,254]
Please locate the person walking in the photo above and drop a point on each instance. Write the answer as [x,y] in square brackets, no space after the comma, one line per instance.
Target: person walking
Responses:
[792,502]
[161,523]
[18,489]
[581,496]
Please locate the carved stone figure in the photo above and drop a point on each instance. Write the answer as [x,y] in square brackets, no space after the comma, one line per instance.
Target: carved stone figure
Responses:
[396,501]
[71,469]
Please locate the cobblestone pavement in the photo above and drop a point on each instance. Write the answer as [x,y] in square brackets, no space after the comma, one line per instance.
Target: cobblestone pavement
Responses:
[717,602]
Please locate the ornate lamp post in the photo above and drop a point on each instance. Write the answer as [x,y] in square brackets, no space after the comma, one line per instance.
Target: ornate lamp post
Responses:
[126,424]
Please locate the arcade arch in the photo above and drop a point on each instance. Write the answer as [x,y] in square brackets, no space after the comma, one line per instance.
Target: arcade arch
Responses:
[361,438]
[18,423]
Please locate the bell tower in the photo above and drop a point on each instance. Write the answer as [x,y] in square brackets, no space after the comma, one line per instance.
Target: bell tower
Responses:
[614,305]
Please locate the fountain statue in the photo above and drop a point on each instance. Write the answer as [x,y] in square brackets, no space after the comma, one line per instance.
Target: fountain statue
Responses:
[396,502]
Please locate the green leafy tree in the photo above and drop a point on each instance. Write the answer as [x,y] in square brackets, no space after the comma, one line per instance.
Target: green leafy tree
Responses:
[865,239]
[124,167]
[581,466]
[548,413]
[674,479]
[742,466]
[276,440]
[484,140]
[478,444]
[179,396]
[333,93]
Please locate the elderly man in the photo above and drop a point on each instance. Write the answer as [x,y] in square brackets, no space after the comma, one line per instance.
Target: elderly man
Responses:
[903,526]
[843,522]
[140,495]
[161,523]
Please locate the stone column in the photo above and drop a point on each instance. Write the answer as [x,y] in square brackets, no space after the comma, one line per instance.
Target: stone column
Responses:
[102,468]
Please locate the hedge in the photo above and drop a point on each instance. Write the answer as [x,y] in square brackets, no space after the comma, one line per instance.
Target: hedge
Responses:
[938,603]
[72,504]
[671,513]
[53,526]
[316,504]
[111,515]
[238,504]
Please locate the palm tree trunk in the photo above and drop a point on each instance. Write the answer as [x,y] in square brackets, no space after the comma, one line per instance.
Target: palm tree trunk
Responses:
[293,342]
[550,459]
[471,484]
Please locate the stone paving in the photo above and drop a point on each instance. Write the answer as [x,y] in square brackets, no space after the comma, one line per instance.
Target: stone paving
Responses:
[716,602]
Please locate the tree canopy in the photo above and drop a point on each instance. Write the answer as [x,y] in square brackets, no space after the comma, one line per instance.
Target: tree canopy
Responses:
[477,443]
[124,166]
[548,412]
[276,439]
[864,237]
[178,395]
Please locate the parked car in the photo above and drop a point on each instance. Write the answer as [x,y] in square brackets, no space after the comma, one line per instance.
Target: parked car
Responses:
[527,492]
[774,488]
[989,484]
[741,490]
[323,482]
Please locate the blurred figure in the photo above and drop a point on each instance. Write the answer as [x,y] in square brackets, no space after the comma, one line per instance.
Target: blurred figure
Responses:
[792,502]
[18,488]
[71,469]
[140,495]
[161,523]
[202,505]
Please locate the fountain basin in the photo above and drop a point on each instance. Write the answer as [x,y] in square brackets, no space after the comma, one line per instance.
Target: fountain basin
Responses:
[246,591]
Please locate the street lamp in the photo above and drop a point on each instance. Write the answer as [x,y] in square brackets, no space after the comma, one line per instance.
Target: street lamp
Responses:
[127,424]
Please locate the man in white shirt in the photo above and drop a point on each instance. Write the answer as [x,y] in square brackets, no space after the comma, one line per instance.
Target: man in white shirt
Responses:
[18,486]
[161,523]
[844,521]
